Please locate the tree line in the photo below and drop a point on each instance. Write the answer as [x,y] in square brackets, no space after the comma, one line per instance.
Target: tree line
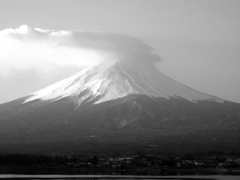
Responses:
[28,159]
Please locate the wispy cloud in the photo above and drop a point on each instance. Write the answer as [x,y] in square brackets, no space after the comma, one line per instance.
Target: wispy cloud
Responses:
[26,48]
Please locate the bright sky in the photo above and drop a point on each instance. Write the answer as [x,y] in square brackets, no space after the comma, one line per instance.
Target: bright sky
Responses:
[198,40]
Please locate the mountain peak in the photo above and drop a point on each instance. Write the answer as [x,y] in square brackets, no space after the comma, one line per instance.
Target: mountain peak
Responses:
[116,79]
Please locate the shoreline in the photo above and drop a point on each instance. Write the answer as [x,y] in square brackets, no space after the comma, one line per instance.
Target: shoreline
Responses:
[210,177]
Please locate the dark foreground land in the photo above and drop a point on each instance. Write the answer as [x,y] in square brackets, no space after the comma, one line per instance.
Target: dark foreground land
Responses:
[127,165]
[119,177]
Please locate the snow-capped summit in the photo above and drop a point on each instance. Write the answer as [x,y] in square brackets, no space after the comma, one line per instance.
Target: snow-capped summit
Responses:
[115,79]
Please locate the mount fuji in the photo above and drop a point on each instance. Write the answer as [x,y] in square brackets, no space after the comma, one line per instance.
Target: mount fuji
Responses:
[113,80]
[119,106]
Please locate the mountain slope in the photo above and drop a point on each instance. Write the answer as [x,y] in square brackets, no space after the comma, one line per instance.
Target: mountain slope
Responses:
[122,104]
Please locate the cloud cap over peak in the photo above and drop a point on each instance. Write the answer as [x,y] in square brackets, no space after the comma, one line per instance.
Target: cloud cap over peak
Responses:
[33,58]
[122,46]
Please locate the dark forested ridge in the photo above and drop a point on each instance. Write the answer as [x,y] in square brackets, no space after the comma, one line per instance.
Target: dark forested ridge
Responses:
[119,127]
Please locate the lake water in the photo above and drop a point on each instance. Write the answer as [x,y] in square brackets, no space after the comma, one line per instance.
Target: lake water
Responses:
[110,177]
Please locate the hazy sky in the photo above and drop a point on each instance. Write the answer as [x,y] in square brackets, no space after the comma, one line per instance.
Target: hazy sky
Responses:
[198,40]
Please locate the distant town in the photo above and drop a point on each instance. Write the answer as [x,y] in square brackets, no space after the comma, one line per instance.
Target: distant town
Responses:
[135,164]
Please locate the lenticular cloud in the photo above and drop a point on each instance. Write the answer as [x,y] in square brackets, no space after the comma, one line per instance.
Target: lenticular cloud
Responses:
[33,58]
[25,48]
